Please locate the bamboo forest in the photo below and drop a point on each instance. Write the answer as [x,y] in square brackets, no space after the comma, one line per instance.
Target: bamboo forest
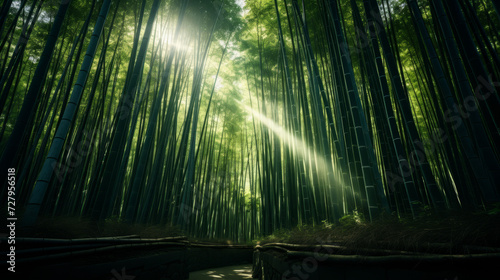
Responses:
[240,120]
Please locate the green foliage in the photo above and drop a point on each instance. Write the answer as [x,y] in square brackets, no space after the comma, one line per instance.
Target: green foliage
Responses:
[356,218]
[300,130]
[422,210]
[494,210]
[326,225]
[445,233]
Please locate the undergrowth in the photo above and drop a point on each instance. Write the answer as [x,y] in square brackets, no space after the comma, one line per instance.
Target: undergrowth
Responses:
[454,230]
[451,231]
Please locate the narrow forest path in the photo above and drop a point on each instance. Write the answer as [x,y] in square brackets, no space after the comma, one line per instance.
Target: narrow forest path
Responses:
[226,272]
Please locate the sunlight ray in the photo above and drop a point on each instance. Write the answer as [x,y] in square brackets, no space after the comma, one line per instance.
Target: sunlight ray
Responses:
[296,144]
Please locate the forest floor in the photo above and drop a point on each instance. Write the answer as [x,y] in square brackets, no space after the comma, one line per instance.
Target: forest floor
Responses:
[448,233]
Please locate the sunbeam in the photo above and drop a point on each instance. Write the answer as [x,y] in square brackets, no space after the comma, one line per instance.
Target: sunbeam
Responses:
[323,167]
